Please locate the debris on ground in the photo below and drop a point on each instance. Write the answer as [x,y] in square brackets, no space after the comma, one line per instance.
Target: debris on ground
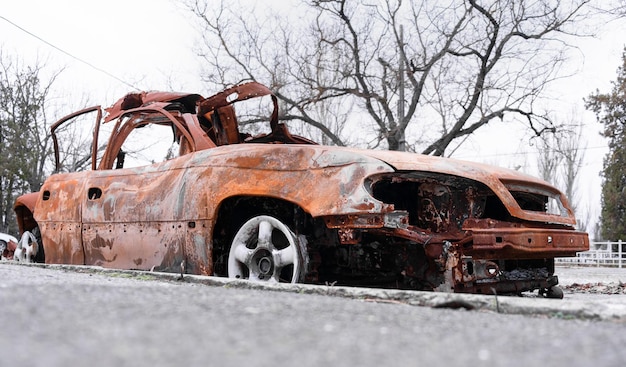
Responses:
[596,288]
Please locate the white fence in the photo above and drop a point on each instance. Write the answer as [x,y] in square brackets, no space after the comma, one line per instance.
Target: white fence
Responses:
[600,254]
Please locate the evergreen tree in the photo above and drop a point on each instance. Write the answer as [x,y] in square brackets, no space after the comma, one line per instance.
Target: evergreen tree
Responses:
[610,109]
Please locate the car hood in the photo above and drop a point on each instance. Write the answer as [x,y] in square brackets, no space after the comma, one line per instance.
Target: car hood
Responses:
[270,156]
[404,161]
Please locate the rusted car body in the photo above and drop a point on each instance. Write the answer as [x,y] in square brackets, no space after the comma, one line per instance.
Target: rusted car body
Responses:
[278,207]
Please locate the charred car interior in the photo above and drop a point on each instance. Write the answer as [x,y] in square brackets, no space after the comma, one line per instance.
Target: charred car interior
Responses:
[277,207]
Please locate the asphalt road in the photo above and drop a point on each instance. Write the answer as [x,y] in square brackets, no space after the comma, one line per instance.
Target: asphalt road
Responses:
[54,317]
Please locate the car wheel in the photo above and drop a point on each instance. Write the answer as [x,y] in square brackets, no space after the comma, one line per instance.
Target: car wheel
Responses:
[40,257]
[265,249]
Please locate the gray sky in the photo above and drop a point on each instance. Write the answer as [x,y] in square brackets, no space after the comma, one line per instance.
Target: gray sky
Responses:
[142,42]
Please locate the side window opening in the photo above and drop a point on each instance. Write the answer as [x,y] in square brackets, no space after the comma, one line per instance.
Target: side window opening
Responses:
[73,140]
[148,144]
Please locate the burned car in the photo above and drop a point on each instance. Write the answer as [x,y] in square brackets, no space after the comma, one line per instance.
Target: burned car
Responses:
[277,207]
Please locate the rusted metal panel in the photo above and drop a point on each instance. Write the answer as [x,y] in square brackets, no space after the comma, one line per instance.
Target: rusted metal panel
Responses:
[24,207]
[60,223]
[232,95]
[198,247]
[133,218]
[54,196]
[511,243]
[135,245]
[135,100]
[292,172]
[143,194]
[62,242]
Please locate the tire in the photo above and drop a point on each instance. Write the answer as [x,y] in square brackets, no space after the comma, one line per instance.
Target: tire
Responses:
[555,292]
[265,249]
[40,257]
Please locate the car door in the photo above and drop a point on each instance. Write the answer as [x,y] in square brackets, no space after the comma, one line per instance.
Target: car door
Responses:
[130,219]
[58,207]
[129,214]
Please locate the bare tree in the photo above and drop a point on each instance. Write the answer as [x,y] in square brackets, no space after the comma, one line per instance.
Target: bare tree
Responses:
[549,158]
[615,8]
[24,143]
[560,160]
[572,150]
[418,74]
